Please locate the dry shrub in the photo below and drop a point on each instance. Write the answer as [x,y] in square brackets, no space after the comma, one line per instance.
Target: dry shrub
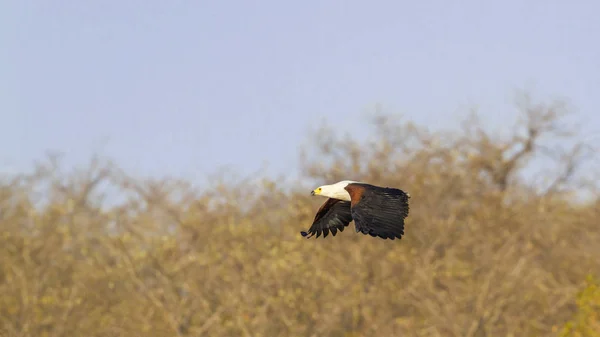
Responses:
[486,252]
[586,322]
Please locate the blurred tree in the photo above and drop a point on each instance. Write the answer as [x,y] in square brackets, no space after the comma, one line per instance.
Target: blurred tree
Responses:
[486,252]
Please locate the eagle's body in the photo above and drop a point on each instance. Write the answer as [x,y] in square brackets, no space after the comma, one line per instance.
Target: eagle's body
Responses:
[377,211]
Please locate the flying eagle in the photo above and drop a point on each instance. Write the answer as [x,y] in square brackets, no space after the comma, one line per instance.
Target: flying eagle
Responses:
[377,211]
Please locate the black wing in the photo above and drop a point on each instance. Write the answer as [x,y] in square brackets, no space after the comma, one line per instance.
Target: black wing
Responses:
[380,211]
[333,215]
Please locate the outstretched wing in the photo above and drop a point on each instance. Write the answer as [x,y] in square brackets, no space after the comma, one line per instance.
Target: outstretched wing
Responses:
[378,211]
[333,215]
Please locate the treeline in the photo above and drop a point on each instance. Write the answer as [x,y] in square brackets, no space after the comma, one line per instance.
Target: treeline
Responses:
[487,251]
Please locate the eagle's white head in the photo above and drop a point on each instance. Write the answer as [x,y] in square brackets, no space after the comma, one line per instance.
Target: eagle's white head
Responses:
[335,191]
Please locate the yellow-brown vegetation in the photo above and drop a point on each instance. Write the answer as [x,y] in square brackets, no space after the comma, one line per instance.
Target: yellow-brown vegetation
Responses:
[587,320]
[486,253]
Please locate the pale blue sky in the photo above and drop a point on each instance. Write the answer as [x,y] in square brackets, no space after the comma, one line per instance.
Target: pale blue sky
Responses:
[187,87]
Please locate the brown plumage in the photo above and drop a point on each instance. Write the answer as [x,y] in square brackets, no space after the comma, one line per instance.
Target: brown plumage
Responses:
[376,211]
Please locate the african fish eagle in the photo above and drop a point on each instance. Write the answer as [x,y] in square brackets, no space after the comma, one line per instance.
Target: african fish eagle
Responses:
[377,211]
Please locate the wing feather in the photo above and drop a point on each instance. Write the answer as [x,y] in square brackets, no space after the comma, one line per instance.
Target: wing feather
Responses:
[378,211]
[333,216]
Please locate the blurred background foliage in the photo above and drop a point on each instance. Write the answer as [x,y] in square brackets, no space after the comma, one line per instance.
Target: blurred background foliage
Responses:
[488,251]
